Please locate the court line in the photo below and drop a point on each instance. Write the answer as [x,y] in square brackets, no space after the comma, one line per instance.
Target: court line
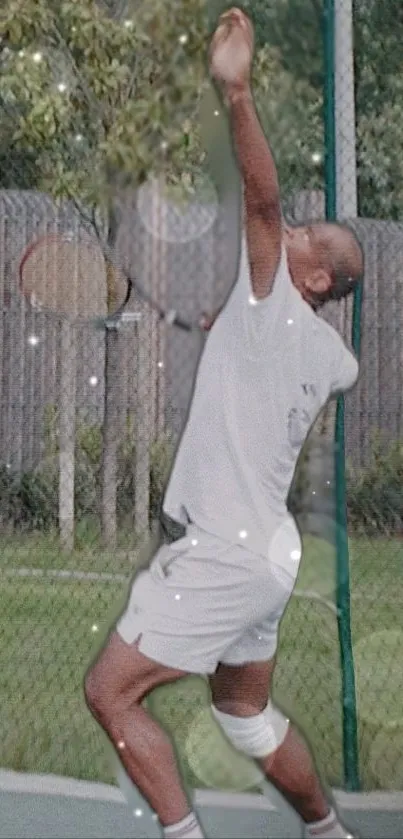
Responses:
[18,782]
[65,574]
[104,577]
[29,784]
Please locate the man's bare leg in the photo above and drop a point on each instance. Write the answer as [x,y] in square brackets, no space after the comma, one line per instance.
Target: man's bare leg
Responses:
[244,691]
[292,772]
[114,689]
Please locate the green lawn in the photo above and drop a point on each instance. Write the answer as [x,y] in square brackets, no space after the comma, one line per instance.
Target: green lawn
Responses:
[52,627]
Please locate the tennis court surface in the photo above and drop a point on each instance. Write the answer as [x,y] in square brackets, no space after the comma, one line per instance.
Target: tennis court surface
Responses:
[49,807]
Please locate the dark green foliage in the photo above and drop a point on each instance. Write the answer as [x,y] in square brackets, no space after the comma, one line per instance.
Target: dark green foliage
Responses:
[375,494]
[30,501]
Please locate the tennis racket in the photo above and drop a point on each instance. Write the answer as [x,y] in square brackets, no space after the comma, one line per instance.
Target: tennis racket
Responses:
[66,274]
[75,277]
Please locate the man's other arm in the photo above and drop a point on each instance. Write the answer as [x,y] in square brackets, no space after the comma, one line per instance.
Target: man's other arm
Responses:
[261,192]
[231,58]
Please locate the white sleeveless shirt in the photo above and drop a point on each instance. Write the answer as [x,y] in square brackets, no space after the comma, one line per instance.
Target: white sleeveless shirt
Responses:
[267,369]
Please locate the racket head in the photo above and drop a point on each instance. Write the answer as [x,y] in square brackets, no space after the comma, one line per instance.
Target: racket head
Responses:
[67,274]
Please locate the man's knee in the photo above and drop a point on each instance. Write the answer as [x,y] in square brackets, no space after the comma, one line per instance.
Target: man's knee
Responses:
[257,736]
[121,678]
[95,694]
[113,678]
[106,686]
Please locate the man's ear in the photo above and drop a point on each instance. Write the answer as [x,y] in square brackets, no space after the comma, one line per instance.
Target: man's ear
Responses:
[319,282]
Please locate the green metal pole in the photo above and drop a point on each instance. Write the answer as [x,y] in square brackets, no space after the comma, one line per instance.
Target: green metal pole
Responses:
[349,710]
[330,110]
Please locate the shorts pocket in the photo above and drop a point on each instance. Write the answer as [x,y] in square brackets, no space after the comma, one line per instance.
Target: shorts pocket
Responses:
[162,564]
[195,555]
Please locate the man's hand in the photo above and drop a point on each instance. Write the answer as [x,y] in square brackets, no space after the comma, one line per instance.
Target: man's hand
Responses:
[206,321]
[231,52]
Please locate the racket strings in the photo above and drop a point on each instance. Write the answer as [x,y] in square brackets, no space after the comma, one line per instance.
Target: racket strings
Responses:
[68,276]
[77,275]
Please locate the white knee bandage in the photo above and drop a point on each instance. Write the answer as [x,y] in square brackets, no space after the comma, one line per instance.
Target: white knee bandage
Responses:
[257,736]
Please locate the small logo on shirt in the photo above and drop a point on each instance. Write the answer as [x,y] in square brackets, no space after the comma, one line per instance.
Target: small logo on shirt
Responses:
[309,390]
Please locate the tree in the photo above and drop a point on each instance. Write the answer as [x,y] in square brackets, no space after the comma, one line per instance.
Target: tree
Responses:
[96,97]
[90,97]
[293,28]
[290,96]
[378,31]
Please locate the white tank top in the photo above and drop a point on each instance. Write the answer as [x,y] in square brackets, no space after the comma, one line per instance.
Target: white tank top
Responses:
[267,369]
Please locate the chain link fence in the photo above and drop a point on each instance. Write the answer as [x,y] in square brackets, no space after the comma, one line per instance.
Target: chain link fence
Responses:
[71,542]
[374,419]
[116,402]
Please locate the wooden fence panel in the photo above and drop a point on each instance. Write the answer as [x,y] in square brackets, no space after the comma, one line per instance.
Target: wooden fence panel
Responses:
[190,277]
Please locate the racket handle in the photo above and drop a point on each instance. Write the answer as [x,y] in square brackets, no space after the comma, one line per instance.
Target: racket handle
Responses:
[172,319]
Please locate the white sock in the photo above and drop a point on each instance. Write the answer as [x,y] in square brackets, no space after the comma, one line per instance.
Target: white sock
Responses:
[188,828]
[328,828]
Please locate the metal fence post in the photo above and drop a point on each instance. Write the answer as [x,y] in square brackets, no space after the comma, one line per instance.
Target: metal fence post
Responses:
[334,198]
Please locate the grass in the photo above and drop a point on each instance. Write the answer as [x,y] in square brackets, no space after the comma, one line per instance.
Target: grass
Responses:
[52,627]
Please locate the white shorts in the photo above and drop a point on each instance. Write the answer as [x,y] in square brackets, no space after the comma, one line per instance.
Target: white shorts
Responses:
[204,601]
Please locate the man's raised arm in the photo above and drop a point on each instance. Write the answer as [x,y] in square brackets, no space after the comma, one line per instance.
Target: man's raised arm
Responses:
[231,55]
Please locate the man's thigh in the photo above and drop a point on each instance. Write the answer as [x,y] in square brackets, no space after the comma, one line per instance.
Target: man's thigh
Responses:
[244,676]
[123,673]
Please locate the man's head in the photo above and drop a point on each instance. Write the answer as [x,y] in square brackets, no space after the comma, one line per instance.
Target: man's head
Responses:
[325,261]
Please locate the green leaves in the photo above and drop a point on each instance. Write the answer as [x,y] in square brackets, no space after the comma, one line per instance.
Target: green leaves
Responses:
[80,85]
[89,94]
[292,28]
[379,82]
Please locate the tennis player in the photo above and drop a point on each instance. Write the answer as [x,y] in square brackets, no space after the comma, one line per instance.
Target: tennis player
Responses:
[211,602]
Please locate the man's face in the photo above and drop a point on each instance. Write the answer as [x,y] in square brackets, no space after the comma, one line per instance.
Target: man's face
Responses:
[312,252]
[308,251]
